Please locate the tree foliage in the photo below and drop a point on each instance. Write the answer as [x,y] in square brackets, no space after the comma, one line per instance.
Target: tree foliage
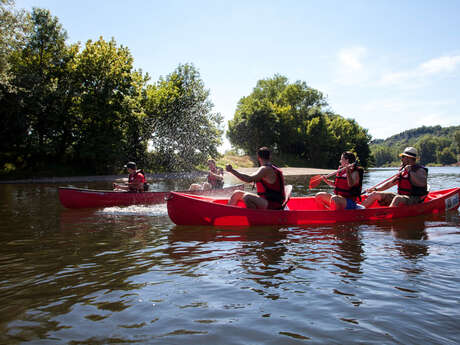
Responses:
[291,119]
[34,108]
[435,145]
[109,114]
[14,25]
[89,109]
[184,129]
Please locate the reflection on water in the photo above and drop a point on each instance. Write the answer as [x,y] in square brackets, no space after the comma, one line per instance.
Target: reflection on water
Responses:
[412,237]
[128,275]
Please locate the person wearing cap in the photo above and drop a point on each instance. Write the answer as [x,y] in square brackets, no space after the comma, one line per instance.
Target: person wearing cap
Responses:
[136,179]
[411,181]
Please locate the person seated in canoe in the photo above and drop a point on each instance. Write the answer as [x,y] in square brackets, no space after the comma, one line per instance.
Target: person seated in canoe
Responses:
[411,180]
[215,179]
[136,180]
[269,181]
[347,186]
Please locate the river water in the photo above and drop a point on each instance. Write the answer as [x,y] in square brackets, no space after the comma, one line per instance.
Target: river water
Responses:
[128,275]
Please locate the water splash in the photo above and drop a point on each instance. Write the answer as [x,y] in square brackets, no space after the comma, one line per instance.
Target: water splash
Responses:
[136,210]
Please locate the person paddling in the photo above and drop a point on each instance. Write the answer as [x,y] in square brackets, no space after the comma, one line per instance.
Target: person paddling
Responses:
[348,184]
[411,180]
[136,180]
[269,181]
[215,178]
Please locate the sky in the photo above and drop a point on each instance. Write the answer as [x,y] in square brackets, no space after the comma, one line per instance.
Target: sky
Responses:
[391,65]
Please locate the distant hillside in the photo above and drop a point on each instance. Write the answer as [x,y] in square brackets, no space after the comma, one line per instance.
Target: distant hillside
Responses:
[412,135]
[436,145]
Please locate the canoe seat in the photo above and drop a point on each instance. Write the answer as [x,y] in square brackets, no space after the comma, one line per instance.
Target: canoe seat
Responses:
[287,193]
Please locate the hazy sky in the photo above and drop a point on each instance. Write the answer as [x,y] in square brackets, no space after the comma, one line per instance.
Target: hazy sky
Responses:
[390,65]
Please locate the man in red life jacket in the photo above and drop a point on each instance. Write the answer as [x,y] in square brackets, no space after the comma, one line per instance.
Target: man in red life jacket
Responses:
[269,182]
[411,181]
[215,178]
[136,179]
[347,186]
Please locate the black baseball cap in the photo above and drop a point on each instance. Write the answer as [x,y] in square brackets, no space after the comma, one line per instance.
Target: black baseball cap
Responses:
[130,165]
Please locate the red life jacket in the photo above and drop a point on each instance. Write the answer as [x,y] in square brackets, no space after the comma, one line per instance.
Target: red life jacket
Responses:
[214,181]
[272,192]
[342,188]
[405,186]
[132,177]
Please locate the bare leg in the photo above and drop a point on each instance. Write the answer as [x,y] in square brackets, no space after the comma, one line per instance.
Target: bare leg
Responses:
[255,201]
[236,196]
[249,199]
[398,200]
[338,202]
[374,196]
[207,186]
[323,200]
[195,186]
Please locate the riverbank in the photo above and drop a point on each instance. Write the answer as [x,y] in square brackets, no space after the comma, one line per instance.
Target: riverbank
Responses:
[287,171]
[294,172]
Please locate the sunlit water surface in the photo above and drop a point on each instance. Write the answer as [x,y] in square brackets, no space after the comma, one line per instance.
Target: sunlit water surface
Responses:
[127,275]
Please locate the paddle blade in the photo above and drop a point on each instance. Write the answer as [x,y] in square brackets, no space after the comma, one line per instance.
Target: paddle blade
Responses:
[314,181]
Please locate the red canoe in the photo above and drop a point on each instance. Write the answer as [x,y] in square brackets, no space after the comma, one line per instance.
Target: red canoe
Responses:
[186,209]
[88,198]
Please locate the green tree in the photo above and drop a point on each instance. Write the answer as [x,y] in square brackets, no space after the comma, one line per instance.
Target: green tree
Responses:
[319,139]
[457,140]
[185,131]
[298,104]
[35,108]
[14,25]
[427,146]
[273,112]
[446,156]
[109,114]
[349,136]
[254,125]
[383,155]
[290,119]
[439,138]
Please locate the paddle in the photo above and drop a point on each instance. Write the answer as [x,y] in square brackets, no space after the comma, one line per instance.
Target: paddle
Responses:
[380,183]
[316,180]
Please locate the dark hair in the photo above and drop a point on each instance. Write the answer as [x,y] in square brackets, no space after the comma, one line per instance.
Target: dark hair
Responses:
[350,156]
[264,153]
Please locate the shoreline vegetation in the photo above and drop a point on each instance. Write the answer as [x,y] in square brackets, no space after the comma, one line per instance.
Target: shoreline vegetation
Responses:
[287,171]
[243,163]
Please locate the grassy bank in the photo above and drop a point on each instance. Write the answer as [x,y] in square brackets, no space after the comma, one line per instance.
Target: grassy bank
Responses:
[247,161]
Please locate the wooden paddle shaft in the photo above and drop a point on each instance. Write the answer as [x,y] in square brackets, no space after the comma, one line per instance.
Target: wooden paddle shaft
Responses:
[339,170]
[382,182]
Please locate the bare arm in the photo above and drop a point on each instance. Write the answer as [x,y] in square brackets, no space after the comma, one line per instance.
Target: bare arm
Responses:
[352,178]
[329,182]
[386,185]
[257,176]
[217,176]
[119,186]
[137,184]
[418,178]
